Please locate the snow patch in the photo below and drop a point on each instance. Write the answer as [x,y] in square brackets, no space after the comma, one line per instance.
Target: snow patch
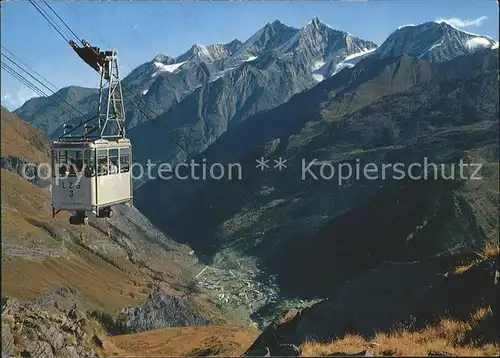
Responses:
[317,65]
[166,68]
[203,51]
[341,65]
[145,91]
[436,45]
[321,23]
[359,54]
[317,77]
[251,58]
[403,26]
[495,46]
[462,30]
[351,60]
[431,48]
[477,42]
[222,73]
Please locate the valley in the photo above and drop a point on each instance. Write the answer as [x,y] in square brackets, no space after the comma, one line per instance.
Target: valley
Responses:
[275,262]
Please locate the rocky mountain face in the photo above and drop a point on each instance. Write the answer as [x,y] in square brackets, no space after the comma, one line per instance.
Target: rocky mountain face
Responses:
[28,330]
[49,114]
[196,96]
[244,78]
[280,62]
[395,110]
[398,240]
[433,41]
[322,101]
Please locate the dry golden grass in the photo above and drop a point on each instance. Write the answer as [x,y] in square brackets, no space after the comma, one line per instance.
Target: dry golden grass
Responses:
[27,224]
[462,268]
[448,336]
[490,249]
[104,280]
[100,285]
[213,340]
[21,140]
[349,344]
[26,217]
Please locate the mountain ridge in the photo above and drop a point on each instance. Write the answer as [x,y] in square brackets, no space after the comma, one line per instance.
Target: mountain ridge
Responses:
[193,102]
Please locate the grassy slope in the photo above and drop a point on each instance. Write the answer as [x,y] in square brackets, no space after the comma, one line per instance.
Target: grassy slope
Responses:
[28,225]
[21,140]
[224,340]
[104,282]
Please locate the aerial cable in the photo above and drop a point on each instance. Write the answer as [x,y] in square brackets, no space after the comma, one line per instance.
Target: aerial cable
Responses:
[140,102]
[20,78]
[23,79]
[54,87]
[67,35]
[49,20]
[31,86]
[41,83]
[64,23]
[138,99]
[153,117]
[55,94]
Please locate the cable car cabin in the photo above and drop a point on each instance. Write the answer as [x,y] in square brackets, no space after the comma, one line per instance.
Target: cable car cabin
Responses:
[91,176]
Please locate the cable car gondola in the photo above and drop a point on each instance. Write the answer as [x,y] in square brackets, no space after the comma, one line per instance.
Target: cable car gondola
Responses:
[91,161]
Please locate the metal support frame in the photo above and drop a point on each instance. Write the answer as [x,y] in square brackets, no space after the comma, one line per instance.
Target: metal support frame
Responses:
[115,109]
[109,123]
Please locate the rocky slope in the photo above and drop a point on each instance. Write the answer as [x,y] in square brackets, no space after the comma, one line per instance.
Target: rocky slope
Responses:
[29,331]
[223,340]
[121,275]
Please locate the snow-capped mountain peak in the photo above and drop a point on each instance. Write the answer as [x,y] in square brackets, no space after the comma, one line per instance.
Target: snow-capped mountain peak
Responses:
[269,37]
[209,53]
[326,49]
[435,41]
[315,23]
[321,48]
[162,58]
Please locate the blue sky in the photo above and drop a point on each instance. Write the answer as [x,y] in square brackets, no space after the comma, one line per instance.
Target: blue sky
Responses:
[139,30]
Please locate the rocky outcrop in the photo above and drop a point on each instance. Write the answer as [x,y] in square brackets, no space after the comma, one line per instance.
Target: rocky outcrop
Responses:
[27,170]
[159,311]
[30,331]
